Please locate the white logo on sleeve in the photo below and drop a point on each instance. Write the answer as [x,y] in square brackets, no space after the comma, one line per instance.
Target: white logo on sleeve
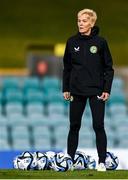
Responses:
[77,49]
[71,98]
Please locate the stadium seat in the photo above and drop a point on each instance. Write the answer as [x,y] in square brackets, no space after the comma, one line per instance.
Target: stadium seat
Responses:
[86,121]
[3,132]
[41,132]
[34,96]
[17,120]
[111,143]
[31,83]
[10,83]
[35,108]
[62,130]
[119,119]
[123,128]
[55,96]
[111,136]
[42,144]
[3,120]
[56,120]
[20,131]
[118,83]
[117,99]
[13,108]
[60,136]
[61,143]
[21,144]
[66,107]
[50,83]
[4,145]
[20,138]
[38,120]
[87,111]
[108,121]
[42,135]
[56,108]
[86,141]
[123,139]
[85,130]
[116,109]
[86,137]
[123,144]
[117,91]
[13,95]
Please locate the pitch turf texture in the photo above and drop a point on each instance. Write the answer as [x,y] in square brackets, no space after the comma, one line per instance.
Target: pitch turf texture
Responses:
[84,174]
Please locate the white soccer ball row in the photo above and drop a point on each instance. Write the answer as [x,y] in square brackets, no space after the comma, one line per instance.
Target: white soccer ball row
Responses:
[60,161]
[43,161]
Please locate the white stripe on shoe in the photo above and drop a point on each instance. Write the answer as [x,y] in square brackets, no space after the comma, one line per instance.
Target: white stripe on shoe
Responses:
[101,167]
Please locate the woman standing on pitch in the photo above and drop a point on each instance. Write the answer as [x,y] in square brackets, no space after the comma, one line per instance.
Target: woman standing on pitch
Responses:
[87,73]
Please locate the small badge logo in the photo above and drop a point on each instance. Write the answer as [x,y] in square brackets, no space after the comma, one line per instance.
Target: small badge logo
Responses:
[77,49]
[71,98]
[93,49]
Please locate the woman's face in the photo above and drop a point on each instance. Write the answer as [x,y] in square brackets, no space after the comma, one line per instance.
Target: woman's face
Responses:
[84,24]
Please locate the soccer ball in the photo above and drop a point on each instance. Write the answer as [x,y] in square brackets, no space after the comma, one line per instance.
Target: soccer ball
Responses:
[24,161]
[80,160]
[41,160]
[111,161]
[61,162]
[91,163]
[50,155]
[83,161]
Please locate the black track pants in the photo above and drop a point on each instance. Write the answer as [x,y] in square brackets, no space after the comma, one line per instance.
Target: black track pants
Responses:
[77,107]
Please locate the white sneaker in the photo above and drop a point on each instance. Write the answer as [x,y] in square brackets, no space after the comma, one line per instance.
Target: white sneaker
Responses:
[73,167]
[101,167]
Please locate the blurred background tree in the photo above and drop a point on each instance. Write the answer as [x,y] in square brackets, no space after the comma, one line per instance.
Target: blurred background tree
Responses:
[49,22]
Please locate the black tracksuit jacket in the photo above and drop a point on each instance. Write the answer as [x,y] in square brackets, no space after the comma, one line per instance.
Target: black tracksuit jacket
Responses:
[87,65]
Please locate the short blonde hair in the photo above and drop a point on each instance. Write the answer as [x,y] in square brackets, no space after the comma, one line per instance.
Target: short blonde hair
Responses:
[90,12]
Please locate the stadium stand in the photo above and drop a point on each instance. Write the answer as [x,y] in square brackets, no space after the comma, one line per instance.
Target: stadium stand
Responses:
[34,116]
[34,108]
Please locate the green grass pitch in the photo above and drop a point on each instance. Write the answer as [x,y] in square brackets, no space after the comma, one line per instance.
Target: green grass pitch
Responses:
[84,174]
